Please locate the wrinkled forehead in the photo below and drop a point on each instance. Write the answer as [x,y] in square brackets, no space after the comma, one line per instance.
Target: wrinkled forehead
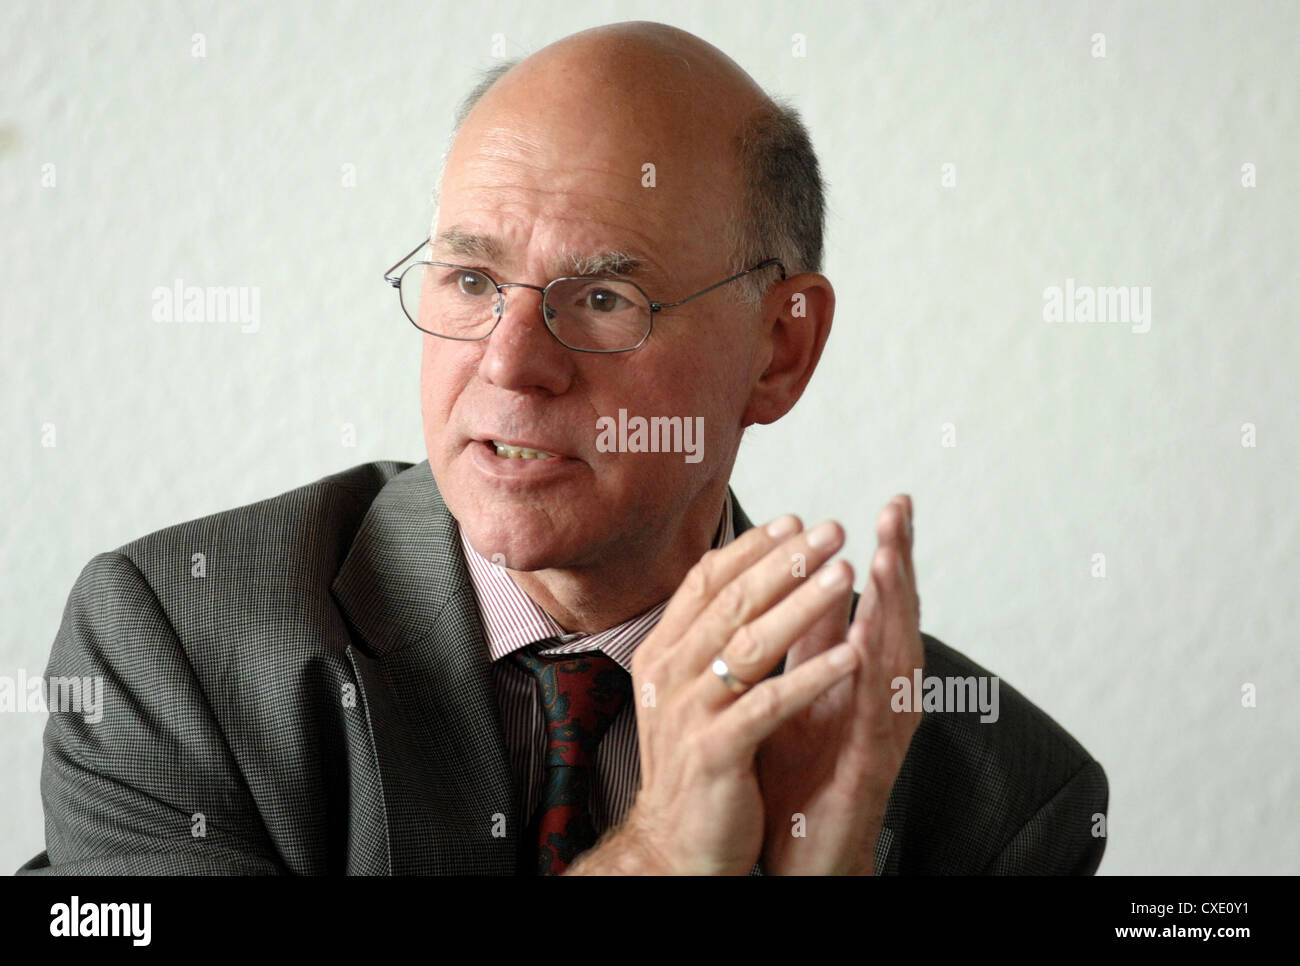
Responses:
[626,157]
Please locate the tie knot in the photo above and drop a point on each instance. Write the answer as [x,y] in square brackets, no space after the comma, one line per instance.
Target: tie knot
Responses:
[581,696]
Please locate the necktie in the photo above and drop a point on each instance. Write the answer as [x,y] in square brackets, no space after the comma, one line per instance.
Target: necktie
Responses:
[581,696]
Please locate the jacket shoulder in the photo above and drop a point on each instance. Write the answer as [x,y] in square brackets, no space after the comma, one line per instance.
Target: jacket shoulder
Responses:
[247,590]
[301,534]
[1001,787]
[221,656]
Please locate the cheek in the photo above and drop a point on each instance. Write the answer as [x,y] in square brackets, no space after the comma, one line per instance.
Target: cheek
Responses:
[719,371]
[708,384]
[445,369]
[703,371]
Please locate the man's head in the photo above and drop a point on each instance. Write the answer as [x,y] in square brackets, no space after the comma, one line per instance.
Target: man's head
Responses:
[547,176]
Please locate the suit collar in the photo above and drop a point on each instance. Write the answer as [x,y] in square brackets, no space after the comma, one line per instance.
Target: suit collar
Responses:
[404,568]
[739,522]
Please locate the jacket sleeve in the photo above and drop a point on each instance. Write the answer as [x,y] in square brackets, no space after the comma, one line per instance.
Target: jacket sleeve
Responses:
[140,780]
[1067,835]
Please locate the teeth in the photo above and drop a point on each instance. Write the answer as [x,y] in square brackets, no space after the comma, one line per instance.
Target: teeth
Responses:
[520,452]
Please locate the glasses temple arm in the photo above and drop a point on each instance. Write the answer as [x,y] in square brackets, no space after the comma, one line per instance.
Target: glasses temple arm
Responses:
[726,281]
[388,274]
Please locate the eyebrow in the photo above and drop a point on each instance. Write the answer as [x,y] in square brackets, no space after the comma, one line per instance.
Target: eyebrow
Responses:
[486,248]
[468,244]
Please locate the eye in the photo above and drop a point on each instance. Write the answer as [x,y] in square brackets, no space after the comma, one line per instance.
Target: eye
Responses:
[603,300]
[472,283]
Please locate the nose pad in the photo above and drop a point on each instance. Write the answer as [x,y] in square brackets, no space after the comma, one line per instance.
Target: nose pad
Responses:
[499,308]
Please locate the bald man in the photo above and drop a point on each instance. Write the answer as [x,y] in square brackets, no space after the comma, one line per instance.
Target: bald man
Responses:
[559,645]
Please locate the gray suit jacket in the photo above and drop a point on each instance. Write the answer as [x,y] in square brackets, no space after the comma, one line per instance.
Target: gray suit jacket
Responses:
[320,702]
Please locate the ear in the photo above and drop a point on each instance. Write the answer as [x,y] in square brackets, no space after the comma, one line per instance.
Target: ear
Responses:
[796,322]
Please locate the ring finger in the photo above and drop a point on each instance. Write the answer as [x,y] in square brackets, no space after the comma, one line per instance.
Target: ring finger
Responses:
[758,646]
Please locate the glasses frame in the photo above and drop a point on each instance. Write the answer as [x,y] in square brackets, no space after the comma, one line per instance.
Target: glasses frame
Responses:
[655,307]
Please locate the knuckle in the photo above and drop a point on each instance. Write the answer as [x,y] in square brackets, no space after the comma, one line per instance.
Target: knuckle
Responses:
[883,565]
[746,646]
[770,703]
[731,602]
[764,701]
[639,659]
[699,579]
[646,666]
[652,671]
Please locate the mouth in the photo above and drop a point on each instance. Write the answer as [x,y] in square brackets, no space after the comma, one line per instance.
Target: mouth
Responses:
[510,451]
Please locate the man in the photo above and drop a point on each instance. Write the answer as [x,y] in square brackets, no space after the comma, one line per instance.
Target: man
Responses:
[559,646]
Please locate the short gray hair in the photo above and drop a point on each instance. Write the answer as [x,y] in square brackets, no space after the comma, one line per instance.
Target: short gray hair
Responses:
[783,213]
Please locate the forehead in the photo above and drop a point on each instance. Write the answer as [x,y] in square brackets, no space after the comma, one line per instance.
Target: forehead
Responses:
[594,181]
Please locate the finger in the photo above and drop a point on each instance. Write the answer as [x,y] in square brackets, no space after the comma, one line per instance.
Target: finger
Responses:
[753,592]
[831,629]
[864,637]
[870,638]
[757,647]
[910,556]
[866,605]
[900,636]
[718,568]
[894,529]
[874,713]
[765,707]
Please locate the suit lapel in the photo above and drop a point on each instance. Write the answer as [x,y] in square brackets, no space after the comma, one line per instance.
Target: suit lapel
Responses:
[425,682]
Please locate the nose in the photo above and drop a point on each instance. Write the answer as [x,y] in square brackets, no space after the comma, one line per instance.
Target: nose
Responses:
[521,354]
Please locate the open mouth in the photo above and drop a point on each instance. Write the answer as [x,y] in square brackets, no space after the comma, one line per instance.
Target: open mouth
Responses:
[506,451]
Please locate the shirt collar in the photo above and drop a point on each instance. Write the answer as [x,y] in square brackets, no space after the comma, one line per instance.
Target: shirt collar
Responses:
[511,619]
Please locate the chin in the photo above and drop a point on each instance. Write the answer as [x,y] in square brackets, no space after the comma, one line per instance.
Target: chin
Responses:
[521,542]
[563,524]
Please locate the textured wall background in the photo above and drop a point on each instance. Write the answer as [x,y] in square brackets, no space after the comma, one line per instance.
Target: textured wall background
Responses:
[126,162]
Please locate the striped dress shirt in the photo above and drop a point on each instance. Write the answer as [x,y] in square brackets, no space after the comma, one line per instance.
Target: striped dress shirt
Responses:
[511,620]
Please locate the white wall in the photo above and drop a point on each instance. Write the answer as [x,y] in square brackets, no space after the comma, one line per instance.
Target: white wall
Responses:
[1071,440]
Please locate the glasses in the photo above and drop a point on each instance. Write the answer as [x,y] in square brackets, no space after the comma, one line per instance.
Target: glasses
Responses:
[583,313]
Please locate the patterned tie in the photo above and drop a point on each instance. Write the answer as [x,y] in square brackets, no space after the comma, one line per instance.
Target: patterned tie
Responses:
[581,696]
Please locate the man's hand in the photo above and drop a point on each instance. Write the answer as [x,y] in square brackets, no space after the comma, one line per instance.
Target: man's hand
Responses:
[700,810]
[826,773]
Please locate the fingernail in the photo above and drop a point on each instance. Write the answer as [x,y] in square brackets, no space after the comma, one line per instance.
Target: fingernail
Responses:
[783,526]
[822,534]
[840,654]
[833,577]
